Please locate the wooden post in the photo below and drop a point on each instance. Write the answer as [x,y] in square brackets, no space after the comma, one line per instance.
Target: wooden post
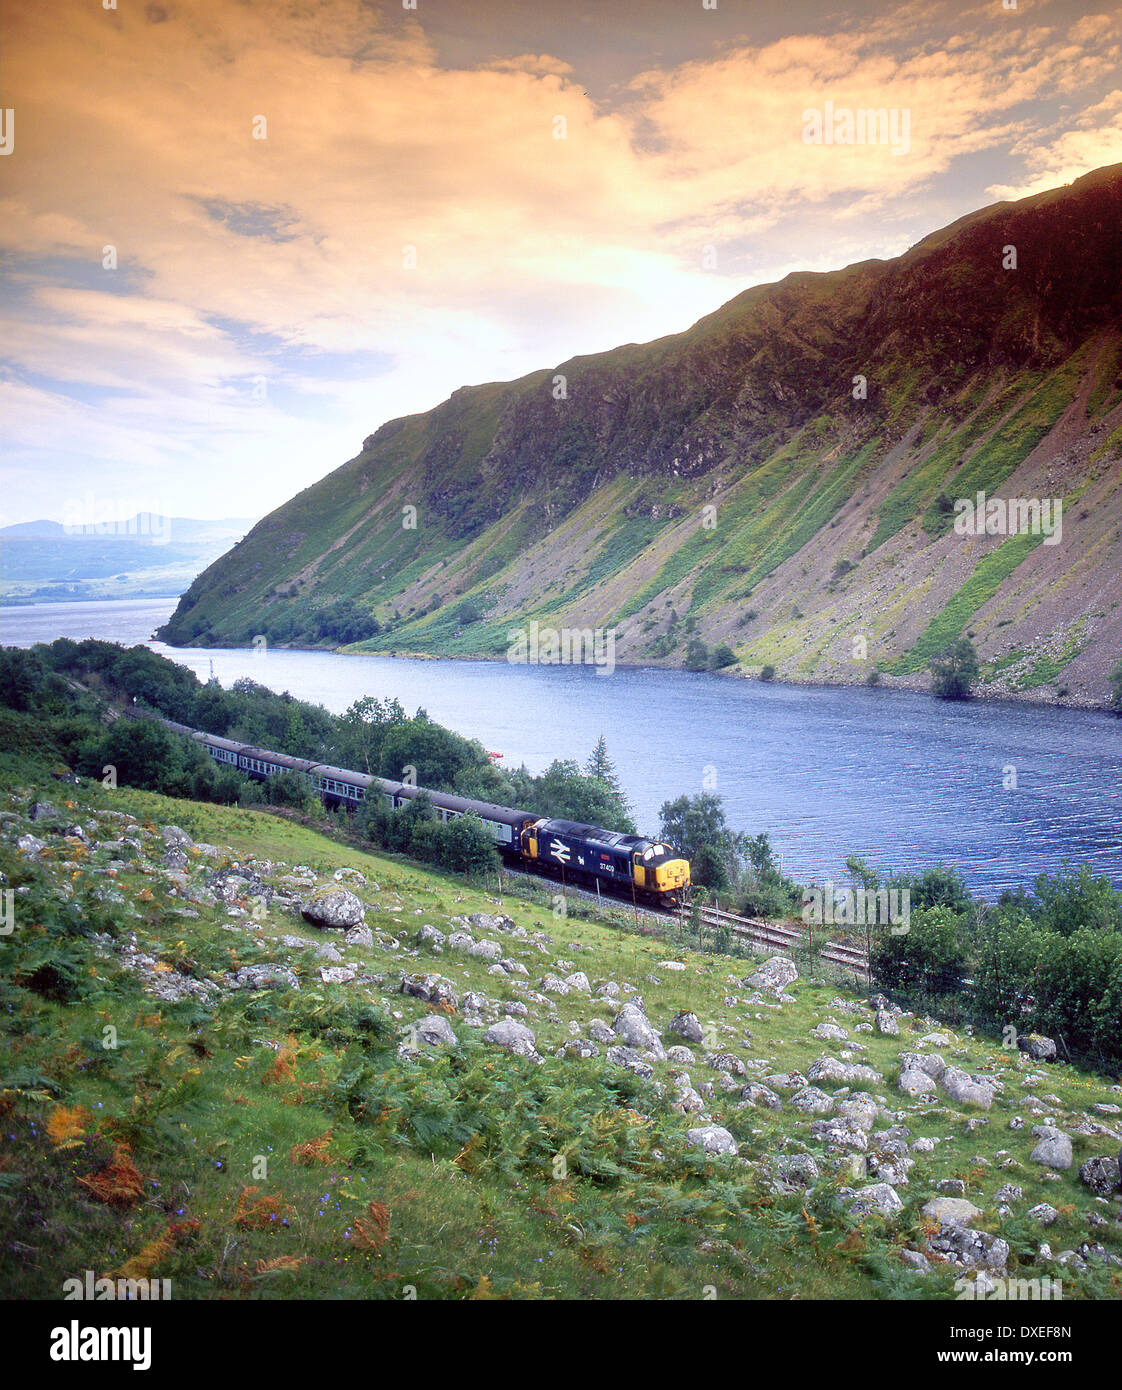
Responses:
[599,903]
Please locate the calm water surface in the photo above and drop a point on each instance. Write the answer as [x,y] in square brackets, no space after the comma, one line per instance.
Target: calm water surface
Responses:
[900,778]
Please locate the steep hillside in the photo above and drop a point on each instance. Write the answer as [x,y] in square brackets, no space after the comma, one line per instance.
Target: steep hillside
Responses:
[200,1086]
[735,484]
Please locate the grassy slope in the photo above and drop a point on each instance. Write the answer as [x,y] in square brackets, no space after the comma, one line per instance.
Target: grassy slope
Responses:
[457,1149]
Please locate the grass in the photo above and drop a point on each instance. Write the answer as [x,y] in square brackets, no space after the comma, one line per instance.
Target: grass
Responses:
[272,1144]
[951,621]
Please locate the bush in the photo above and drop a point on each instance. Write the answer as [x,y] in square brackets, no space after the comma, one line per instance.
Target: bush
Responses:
[926,963]
[722,656]
[1116,689]
[954,670]
[768,673]
[697,655]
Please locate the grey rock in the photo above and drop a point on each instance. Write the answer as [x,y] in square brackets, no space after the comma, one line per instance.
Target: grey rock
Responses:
[1038,1047]
[842,1073]
[756,1094]
[796,1170]
[811,1101]
[337,908]
[264,977]
[630,1059]
[965,1090]
[713,1139]
[634,1027]
[337,974]
[775,975]
[951,1211]
[433,989]
[928,1062]
[1101,1175]
[512,1037]
[970,1249]
[434,1031]
[1054,1149]
[914,1082]
[879,1198]
[686,1025]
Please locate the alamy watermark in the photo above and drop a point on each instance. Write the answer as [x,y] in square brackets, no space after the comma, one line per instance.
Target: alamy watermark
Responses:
[857,907]
[843,125]
[565,646]
[999,1289]
[998,516]
[90,1288]
[88,516]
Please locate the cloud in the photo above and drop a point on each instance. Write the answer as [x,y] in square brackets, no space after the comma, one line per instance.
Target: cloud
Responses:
[426,220]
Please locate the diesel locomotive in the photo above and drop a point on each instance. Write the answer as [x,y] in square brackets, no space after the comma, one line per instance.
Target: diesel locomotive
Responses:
[583,855]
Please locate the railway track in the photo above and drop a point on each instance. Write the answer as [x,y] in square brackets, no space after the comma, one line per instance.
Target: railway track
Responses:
[775,936]
[779,936]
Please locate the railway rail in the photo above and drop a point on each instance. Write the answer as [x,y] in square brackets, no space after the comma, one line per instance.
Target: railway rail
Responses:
[776,936]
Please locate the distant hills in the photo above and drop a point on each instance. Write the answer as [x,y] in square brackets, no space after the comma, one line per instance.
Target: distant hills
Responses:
[783,478]
[146,555]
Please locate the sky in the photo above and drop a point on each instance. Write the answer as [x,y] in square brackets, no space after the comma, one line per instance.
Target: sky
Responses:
[236,236]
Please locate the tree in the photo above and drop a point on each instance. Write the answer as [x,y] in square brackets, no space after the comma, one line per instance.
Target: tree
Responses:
[954,670]
[565,792]
[290,788]
[364,728]
[464,846]
[435,753]
[695,826]
[764,889]
[1075,898]
[22,676]
[601,766]
[697,655]
[722,656]
[1116,688]
[927,961]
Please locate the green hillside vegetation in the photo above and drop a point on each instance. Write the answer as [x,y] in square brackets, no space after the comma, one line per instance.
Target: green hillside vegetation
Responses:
[715,466]
[274,1140]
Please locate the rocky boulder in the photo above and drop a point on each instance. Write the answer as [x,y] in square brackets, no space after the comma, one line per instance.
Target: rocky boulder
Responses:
[433,989]
[336,908]
[713,1139]
[635,1028]
[1100,1175]
[512,1037]
[963,1088]
[775,975]
[1053,1150]
[686,1025]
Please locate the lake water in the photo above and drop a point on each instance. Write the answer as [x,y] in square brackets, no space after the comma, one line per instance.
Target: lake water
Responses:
[903,779]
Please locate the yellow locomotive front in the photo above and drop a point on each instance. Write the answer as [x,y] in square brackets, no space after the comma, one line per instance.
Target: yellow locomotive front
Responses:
[661,871]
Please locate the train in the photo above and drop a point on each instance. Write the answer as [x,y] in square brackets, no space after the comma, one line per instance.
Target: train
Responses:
[582,855]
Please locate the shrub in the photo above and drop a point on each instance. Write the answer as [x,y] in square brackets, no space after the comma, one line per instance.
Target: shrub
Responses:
[954,670]
[927,962]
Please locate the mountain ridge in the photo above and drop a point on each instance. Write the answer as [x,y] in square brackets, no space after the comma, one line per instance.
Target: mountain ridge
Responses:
[778,477]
